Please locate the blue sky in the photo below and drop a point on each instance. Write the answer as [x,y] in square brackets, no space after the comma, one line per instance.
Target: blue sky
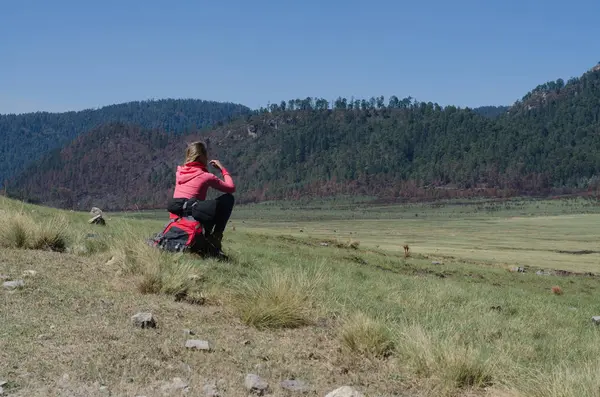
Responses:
[70,55]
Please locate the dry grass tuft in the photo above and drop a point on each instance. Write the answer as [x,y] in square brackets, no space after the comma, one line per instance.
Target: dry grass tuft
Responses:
[22,231]
[157,272]
[277,299]
[447,365]
[561,381]
[18,231]
[52,235]
[350,244]
[366,336]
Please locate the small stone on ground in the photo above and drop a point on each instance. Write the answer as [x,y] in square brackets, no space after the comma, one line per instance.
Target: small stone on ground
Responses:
[144,320]
[295,386]
[596,320]
[210,390]
[188,332]
[13,284]
[197,344]
[255,384]
[176,385]
[345,391]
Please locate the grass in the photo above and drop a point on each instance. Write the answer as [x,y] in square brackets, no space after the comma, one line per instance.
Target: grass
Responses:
[22,231]
[448,320]
[363,335]
[276,299]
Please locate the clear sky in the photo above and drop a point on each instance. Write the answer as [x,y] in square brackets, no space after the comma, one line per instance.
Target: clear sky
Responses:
[69,55]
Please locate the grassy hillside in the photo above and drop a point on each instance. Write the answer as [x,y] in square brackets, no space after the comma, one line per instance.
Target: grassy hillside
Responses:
[27,137]
[289,306]
[548,143]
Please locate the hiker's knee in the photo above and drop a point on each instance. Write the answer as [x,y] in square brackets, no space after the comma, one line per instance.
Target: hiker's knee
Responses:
[227,199]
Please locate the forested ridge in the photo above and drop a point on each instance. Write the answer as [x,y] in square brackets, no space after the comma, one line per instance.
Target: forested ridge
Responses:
[545,143]
[27,137]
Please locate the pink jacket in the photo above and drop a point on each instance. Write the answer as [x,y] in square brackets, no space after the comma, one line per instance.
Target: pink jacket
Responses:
[193,180]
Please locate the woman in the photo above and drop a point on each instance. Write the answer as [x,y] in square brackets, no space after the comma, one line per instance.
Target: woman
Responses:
[191,185]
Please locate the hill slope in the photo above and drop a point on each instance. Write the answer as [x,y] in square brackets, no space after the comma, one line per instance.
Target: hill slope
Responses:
[26,137]
[548,141]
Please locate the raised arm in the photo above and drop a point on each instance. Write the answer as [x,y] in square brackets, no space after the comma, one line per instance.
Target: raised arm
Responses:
[226,185]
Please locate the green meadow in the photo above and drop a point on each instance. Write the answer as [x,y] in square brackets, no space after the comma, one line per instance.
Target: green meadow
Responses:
[320,291]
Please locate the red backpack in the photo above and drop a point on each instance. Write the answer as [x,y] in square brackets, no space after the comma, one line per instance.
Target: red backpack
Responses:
[179,235]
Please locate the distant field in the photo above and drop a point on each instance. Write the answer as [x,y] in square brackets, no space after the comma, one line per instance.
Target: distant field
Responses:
[556,234]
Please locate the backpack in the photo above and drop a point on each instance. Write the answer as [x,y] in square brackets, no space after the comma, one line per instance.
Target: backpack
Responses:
[179,235]
[185,235]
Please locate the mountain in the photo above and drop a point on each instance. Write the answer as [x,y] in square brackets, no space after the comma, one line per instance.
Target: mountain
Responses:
[27,137]
[547,142]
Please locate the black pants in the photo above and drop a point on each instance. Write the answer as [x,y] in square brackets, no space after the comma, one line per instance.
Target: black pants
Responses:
[214,214]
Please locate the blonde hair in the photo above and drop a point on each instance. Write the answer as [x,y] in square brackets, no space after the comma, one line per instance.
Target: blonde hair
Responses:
[195,150]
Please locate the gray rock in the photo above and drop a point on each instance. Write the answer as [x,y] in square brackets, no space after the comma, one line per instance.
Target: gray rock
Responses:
[4,277]
[255,384]
[1,390]
[188,332]
[97,220]
[144,320]
[95,211]
[324,245]
[176,385]
[436,263]
[596,320]
[197,344]
[294,385]
[29,273]
[210,390]
[13,284]
[345,391]
[105,391]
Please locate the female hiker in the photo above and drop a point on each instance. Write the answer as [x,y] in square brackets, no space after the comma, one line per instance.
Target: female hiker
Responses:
[191,185]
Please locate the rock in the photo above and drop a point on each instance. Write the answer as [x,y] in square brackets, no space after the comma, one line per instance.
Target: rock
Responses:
[295,386]
[44,336]
[104,391]
[176,385]
[345,391]
[1,390]
[3,382]
[436,263]
[29,273]
[111,261]
[97,220]
[4,277]
[197,344]
[596,320]
[324,245]
[95,211]
[255,384]
[210,390]
[13,284]
[188,332]
[143,320]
